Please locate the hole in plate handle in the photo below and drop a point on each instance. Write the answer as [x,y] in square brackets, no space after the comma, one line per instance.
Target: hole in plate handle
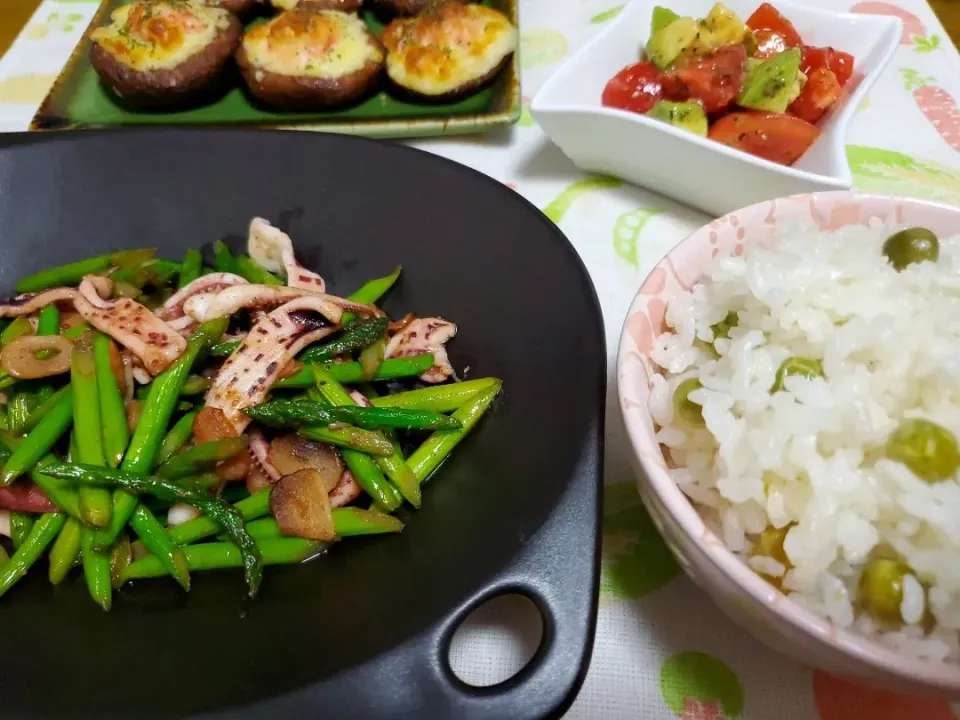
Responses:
[495,640]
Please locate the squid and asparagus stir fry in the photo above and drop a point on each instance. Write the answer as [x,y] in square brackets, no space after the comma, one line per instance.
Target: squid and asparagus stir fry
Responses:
[160,417]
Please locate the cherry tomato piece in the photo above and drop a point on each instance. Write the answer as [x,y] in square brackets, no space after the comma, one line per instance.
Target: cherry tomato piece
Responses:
[712,79]
[819,93]
[767,17]
[636,88]
[780,138]
[836,61]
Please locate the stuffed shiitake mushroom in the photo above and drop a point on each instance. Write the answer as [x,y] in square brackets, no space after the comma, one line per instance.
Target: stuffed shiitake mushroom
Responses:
[449,51]
[164,52]
[303,60]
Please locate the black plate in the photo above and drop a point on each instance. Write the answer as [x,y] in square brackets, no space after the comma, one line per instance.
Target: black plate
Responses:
[362,632]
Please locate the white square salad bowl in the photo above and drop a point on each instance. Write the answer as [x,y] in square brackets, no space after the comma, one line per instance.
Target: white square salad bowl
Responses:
[690,169]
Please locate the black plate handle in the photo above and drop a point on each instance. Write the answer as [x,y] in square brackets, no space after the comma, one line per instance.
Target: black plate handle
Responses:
[547,685]
[551,673]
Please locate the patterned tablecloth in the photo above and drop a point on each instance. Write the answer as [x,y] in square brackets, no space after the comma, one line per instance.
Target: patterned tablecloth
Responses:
[662,650]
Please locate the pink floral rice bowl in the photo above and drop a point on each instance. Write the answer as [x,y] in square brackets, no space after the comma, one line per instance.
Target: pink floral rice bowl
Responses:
[748,599]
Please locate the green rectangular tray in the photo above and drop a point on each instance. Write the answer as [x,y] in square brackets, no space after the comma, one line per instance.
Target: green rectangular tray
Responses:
[77,100]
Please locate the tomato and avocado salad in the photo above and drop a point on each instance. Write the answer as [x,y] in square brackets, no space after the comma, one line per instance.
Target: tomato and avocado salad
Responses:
[754,85]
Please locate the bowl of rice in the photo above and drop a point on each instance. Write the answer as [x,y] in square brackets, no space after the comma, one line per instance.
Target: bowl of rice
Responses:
[789,376]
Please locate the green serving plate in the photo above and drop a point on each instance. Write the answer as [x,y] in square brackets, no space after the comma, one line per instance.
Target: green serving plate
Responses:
[78,100]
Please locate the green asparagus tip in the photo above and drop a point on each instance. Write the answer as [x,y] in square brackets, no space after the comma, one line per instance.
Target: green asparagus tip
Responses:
[386,523]
[95,517]
[182,575]
[105,602]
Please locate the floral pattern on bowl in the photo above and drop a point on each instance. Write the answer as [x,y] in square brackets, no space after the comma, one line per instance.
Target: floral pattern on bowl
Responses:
[749,600]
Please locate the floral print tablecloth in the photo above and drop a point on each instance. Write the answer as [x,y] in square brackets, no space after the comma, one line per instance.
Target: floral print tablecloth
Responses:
[662,650]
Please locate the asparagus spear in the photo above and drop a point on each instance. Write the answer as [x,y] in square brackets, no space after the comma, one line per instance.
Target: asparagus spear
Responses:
[116,434]
[42,534]
[18,411]
[73,273]
[370,292]
[96,570]
[359,335]
[392,465]
[225,349]
[201,458]
[350,438]
[94,501]
[435,449]
[40,440]
[214,556]
[220,511]
[439,398]
[285,413]
[250,508]
[223,258]
[21,523]
[347,522]
[16,329]
[65,550]
[190,268]
[43,409]
[349,373]
[154,536]
[177,437]
[251,271]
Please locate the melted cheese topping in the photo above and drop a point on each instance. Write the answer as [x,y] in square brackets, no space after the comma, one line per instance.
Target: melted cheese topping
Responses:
[441,50]
[327,44]
[161,34]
